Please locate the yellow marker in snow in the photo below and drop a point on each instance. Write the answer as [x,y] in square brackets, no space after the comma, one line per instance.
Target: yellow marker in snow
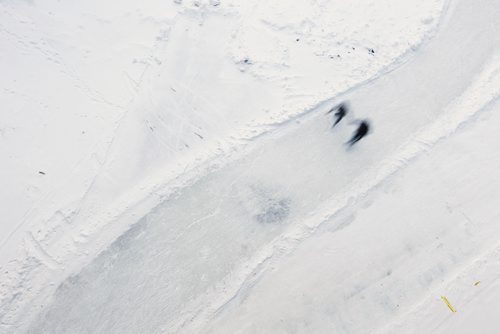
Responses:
[448,304]
[477,283]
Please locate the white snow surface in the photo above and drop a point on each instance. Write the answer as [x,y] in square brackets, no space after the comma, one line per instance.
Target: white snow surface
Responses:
[202,125]
[107,109]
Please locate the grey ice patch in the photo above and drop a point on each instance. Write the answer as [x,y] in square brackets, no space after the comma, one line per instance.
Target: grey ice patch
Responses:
[275,211]
[265,204]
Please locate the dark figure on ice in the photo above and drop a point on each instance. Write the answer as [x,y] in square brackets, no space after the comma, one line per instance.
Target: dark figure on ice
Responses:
[341,112]
[361,131]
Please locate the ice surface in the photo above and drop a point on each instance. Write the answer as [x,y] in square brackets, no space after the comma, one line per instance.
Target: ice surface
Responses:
[106,107]
[372,261]
[189,264]
[292,232]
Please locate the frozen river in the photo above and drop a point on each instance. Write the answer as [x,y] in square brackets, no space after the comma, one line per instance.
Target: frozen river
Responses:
[193,261]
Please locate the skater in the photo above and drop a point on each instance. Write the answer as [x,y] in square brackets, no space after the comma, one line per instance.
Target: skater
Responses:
[363,129]
[341,112]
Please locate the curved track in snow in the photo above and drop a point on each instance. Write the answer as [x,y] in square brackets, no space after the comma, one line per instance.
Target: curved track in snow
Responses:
[193,261]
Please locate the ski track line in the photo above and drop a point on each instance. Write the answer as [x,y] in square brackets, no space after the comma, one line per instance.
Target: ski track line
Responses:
[477,98]
[42,254]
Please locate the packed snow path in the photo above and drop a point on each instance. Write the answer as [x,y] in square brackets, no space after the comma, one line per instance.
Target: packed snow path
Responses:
[190,263]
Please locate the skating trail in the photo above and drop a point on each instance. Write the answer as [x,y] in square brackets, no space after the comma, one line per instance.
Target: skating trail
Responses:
[184,263]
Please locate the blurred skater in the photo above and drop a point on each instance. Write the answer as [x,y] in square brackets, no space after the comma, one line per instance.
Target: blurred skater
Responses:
[361,131]
[341,112]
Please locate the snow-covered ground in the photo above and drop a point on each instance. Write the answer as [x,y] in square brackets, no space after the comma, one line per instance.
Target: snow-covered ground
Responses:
[202,125]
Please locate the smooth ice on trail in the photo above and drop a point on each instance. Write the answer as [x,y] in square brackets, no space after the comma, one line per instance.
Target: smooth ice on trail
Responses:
[295,234]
